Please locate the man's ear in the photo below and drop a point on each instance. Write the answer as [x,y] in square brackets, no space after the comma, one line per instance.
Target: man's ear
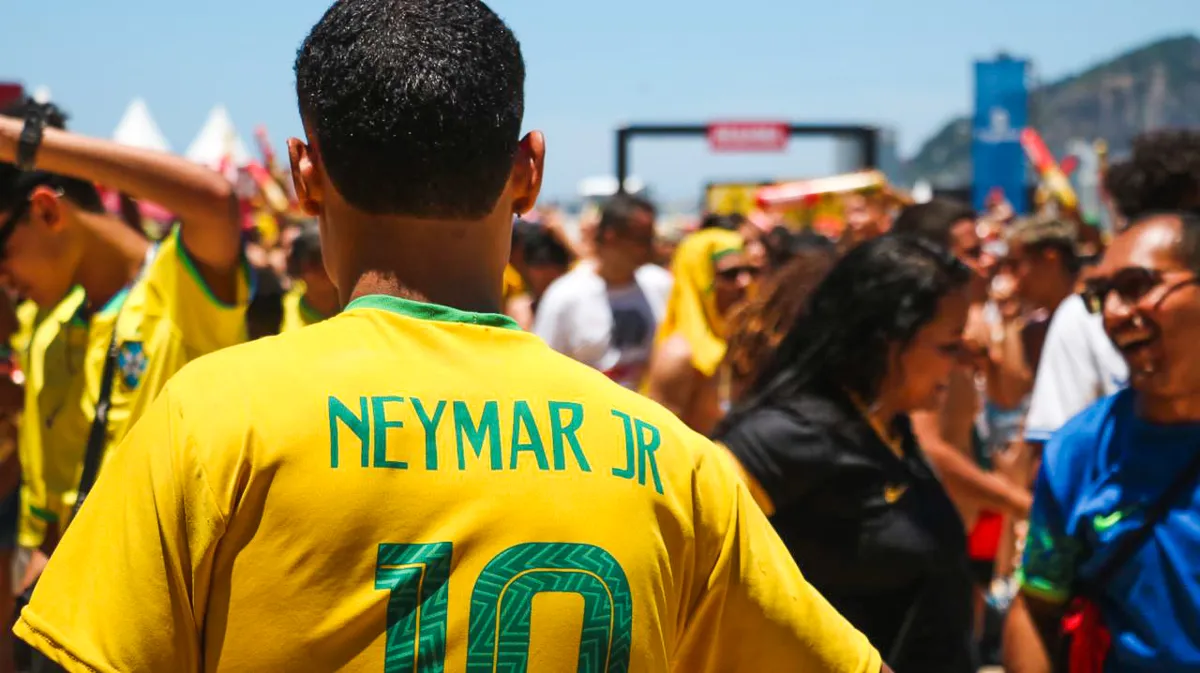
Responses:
[306,177]
[47,208]
[526,177]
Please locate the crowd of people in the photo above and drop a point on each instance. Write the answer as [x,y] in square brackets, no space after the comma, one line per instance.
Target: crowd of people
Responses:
[947,439]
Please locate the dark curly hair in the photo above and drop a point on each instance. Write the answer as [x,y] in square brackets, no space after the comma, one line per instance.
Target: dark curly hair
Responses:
[415,105]
[1162,173]
[880,293]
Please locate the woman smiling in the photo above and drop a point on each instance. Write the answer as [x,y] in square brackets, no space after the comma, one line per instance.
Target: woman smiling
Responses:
[826,446]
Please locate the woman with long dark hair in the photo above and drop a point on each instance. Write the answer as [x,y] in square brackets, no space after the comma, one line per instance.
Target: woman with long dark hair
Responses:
[825,443]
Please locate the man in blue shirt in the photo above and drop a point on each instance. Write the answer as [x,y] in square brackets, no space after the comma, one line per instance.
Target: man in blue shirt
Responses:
[1107,466]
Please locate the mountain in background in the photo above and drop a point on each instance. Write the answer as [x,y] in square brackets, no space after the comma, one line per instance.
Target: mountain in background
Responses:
[1150,87]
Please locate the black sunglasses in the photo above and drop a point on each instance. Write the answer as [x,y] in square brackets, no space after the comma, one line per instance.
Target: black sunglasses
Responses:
[1131,284]
[732,273]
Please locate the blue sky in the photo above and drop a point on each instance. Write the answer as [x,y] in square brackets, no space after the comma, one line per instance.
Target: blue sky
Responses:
[594,65]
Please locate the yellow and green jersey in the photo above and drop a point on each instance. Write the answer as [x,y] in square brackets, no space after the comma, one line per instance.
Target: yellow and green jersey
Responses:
[296,312]
[433,490]
[28,316]
[163,320]
[52,363]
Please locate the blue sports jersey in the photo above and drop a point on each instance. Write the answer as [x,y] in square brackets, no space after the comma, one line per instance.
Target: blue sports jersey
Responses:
[1099,475]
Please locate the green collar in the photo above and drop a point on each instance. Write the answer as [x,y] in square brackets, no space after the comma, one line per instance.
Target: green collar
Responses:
[435,312]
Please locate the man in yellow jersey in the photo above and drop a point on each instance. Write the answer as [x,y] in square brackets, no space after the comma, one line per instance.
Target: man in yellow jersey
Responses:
[312,297]
[415,484]
[169,303]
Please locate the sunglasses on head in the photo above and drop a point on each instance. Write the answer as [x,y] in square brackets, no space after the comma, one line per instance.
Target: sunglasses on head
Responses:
[1132,285]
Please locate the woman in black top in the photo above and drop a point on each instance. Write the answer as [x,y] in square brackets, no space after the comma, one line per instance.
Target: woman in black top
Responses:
[824,438]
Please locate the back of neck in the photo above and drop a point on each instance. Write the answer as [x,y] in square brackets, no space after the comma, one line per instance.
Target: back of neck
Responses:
[473,296]
[459,264]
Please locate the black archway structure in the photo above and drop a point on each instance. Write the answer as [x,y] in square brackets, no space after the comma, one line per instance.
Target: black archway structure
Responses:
[866,136]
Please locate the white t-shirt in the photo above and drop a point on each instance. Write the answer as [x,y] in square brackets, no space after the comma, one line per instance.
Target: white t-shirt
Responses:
[609,329]
[1079,366]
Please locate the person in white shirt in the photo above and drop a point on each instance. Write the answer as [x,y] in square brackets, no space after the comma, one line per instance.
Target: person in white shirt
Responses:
[605,312]
[1079,366]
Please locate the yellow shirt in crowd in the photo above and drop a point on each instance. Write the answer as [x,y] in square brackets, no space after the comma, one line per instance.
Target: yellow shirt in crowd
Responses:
[28,316]
[165,319]
[296,312]
[53,360]
[433,489]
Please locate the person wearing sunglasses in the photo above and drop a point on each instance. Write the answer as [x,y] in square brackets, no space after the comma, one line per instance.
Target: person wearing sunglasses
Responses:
[712,274]
[155,306]
[1078,364]
[1108,468]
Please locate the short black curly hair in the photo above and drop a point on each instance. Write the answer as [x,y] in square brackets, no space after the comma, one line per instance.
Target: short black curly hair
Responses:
[1161,173]
[415,105]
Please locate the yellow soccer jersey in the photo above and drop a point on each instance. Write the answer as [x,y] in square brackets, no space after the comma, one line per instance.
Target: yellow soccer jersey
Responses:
[53,366]
[296,312]
[167,318]
[28,316]
[433,490]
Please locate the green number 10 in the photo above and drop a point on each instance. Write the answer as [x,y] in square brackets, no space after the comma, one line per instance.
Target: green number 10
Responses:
[418,575]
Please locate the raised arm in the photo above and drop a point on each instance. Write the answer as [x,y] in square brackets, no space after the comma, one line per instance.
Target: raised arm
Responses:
[201,198]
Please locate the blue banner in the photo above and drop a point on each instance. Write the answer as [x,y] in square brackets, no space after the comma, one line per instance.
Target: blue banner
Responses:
[1001,111]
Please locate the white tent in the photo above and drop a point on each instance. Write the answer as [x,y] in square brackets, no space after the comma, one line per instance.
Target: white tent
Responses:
[138,129]
[217,141]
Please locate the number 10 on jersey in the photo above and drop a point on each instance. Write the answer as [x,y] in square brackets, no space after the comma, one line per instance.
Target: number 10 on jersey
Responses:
[418,577]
